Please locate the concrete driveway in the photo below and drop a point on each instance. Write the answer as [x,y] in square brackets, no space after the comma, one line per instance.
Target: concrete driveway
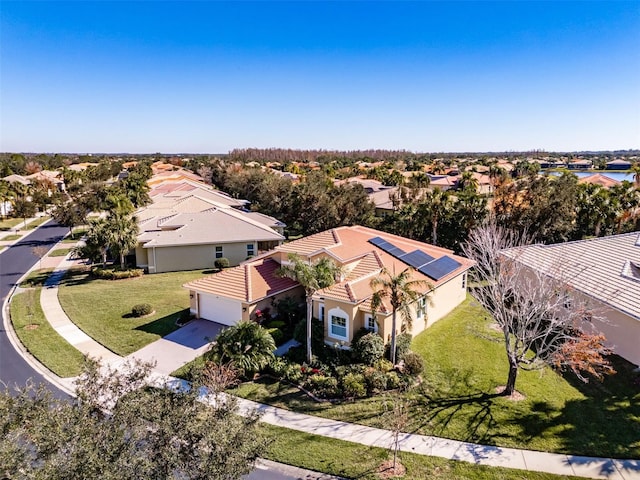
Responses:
[179,347]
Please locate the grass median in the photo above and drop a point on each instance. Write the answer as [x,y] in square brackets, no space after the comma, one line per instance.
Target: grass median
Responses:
[40,339]
[102,308]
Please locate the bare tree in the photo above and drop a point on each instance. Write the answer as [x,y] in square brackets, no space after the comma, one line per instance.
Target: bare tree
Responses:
[541,318]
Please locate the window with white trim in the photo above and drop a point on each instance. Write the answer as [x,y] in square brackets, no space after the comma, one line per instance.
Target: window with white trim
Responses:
[370,323]
[338,327]
[219,252]
[421,307]
[251,249]
[321,312]
[464,280]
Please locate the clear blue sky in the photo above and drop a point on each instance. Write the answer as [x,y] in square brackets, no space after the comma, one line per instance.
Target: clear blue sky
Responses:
[208,77]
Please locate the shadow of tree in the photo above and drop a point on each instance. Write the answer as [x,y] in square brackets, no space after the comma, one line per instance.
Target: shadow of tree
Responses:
[161,326]
[613,405]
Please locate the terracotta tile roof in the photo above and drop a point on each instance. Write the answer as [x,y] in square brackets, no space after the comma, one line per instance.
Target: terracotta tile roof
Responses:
[311,244]
[599,179]
[249,282]
[599,267]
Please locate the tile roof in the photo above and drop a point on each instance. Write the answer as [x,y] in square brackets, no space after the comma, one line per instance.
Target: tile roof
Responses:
[602,268]
[248,282]
[599,179]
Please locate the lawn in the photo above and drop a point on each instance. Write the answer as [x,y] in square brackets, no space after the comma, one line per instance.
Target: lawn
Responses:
[102,308]
[465,362]
[39,221]
[352,460]
[59,252]
[9,223]
[40,339]
[9,238]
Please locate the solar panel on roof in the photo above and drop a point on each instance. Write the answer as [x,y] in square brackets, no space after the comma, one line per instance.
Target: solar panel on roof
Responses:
[377,241]
[416,259]
[395,251]
[439,268]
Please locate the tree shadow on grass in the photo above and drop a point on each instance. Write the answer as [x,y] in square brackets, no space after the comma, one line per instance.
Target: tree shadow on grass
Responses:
[76,276]
[606,422]
[161,326]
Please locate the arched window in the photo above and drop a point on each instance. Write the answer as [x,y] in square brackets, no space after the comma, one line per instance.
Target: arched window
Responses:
[338,324]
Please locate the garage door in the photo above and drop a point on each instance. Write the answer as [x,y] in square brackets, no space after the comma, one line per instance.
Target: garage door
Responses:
[220,309]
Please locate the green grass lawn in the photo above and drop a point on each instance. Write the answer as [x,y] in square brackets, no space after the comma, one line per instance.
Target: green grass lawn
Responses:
[59,252]
[36,278]
[102,308]
[77,235]
[40,339]
[9,238]
[465,362]
[351,460]
[9,223]
[39,221]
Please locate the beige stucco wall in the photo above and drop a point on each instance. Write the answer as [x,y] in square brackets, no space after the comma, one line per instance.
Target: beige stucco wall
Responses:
[192,257]
[443,300]
[622,333]
[141,256]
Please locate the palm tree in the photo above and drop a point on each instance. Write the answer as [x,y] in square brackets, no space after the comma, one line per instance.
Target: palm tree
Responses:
[635,169]
[6,195]
[122,235]
[247,345]
[312,277]
[401,292]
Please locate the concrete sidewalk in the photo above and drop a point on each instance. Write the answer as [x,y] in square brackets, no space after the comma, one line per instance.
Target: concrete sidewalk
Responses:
[588,467]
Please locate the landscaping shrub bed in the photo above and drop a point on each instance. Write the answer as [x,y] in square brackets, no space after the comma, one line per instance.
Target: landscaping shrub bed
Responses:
[116,273]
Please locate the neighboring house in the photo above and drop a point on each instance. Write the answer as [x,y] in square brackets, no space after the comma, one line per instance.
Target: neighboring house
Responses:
[599,179]
[443,182]
[605,270]
[579,164]
[344,307]
[619,165]
[378,193]
[189,226]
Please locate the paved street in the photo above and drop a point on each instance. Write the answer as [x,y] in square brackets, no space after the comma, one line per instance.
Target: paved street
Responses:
[14,262]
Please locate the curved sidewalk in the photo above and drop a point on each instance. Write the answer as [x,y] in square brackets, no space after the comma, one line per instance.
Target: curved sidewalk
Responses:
[571,465]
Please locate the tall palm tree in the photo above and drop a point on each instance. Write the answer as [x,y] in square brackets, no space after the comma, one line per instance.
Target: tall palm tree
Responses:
[312,277]
[401,291]
[122,235]
[635,169]
[6,195]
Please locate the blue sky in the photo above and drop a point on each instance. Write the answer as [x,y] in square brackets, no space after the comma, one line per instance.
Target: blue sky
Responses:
[207,77]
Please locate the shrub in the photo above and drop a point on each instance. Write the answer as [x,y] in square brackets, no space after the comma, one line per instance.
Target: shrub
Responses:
[376,380]
[369,348]
[278,367]
[403,343]
[293,373]
[276,324]
[383,365]
[141,310]
[221,263]
[353,385]
[323,386]
[413,363]
[358,334]
[296,354]
[116,274]
[317,334]
[393,380]
[278,336]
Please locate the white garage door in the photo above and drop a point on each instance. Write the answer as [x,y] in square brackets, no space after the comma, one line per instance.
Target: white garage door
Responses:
[220,309]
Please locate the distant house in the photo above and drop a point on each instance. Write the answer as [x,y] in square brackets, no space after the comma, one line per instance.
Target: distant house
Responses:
[580,165]
[618,165]
[345,307]
[189,225]
[599,179]
[606,271]
[378,193]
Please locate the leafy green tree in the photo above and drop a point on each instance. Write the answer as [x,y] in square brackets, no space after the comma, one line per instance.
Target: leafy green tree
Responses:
[70,214]
[312,277]
[6,196]
[119,428]
[24,209]
[246,345]
[401,292]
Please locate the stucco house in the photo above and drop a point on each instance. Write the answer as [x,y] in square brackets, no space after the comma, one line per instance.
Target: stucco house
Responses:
[189,225]
[605,271]
[344,307]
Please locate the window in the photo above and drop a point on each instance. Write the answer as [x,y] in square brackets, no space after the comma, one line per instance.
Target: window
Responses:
[251,251]
[421,307]
[218,252]
[321,312]
[370,323]
[464,280]
[338,327]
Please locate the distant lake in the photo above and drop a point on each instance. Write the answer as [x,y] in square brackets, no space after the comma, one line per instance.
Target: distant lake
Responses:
[619,176]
